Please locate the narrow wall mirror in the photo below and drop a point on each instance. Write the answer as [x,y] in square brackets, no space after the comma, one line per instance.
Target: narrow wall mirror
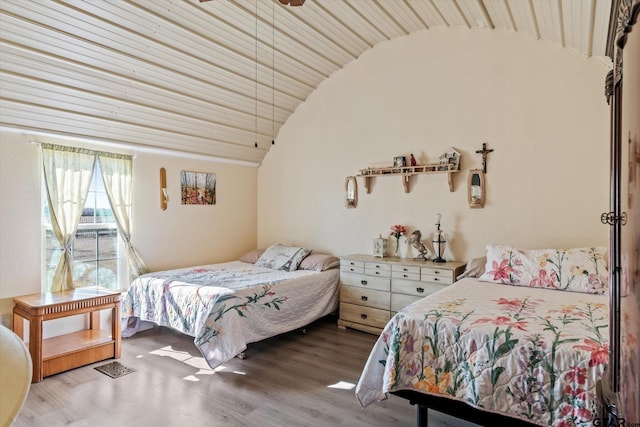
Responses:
[351,192]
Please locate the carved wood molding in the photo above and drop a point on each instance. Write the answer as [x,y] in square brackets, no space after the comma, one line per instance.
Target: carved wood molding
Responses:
[625,15]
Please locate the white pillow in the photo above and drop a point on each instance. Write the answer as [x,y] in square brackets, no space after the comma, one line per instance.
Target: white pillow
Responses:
[281,257]
[474,268]
[252,256]
[319,262]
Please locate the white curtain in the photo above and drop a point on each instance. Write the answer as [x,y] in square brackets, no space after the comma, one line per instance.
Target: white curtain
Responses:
[117,176]
[67,175]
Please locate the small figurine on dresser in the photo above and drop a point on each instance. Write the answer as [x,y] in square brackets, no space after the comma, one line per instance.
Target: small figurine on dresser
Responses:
[415,241]
[379,247]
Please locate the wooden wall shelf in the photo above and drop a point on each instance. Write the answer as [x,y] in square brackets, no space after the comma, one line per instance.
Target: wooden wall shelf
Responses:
[406,172]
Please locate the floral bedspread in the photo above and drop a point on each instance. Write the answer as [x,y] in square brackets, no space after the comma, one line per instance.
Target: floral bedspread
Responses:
[529,353]
[226,306]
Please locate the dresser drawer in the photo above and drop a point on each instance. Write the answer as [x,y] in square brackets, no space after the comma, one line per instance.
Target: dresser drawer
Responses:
[377,269]
[400,301]
[363,296]
[369,282]
[437,275]
[351,263]
[409,269]
[410,287]
[364,315]
[351,269]
[406,275]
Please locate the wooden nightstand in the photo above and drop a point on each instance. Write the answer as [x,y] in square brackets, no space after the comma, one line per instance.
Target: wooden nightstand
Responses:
[374,289]
[61,353]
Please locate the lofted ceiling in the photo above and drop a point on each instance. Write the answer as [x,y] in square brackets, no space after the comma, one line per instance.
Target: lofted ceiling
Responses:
[218,78]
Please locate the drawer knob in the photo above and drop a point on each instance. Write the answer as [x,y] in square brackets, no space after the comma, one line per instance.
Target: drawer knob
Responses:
[363,282]
[377,272]
[351,269]
[405,269]
[420,290]
[435,279]
[363,316]
[436,272]
[364,298]
[404,275]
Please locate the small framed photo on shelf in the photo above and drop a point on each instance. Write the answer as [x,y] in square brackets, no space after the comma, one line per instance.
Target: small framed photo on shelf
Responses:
[399,161]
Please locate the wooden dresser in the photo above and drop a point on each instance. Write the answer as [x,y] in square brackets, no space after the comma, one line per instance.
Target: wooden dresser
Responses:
[372,289]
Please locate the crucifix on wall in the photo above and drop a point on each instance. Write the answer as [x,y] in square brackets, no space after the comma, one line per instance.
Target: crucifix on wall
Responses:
[485,152]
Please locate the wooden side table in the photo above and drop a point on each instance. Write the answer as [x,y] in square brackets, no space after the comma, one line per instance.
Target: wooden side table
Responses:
[64,352]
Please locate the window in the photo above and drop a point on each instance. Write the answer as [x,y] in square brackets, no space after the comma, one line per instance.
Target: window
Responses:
[96,248]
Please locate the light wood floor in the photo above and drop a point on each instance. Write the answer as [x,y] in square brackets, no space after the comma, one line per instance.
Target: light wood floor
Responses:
[292,380]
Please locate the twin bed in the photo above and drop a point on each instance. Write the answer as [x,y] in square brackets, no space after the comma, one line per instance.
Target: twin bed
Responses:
[229,305]
[523,343]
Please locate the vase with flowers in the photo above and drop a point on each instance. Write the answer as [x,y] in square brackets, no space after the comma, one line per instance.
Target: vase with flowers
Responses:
[397,231]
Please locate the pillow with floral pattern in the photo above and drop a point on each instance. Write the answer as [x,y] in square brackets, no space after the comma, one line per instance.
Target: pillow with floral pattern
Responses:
[505,264]
[575,270]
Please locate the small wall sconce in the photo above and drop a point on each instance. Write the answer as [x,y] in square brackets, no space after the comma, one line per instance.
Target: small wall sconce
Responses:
[164,198]
[351,192]
[476,188]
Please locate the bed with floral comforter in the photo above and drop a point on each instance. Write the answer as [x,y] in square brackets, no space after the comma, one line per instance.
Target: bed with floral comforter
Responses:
[527,339]
[227,306]
[530,353]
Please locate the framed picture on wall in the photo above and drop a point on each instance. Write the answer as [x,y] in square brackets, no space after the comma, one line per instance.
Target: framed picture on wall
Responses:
[198,188]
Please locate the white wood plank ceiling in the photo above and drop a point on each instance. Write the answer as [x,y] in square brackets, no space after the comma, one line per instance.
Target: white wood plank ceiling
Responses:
[215,78]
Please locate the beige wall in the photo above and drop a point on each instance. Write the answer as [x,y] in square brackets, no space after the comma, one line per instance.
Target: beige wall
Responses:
[180,236]
[539,106]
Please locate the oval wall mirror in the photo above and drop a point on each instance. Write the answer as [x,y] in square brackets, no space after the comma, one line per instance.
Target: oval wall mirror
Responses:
[351,192]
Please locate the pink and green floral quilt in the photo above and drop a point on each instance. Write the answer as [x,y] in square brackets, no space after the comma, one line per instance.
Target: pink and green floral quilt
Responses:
[530,353]
[226,306]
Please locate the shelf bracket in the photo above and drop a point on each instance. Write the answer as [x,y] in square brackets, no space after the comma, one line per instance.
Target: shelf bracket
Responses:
[367,184]
[405,182]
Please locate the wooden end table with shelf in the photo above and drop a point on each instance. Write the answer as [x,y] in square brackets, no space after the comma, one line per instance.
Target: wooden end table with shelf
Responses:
[62,353]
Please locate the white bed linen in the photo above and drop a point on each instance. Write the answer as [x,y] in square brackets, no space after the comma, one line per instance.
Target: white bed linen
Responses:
[229,305]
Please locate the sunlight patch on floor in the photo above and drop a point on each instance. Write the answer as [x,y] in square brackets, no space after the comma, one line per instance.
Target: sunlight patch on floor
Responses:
[342,385]
[197,362]
[170,352]
[200,363]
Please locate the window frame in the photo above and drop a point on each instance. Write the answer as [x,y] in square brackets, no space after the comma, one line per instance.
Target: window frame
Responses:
[122,264]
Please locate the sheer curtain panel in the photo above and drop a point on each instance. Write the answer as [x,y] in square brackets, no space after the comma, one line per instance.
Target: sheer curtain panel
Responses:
[67,176]
[117,176]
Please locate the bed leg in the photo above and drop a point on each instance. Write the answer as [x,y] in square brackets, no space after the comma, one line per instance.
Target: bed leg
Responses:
[422,416]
